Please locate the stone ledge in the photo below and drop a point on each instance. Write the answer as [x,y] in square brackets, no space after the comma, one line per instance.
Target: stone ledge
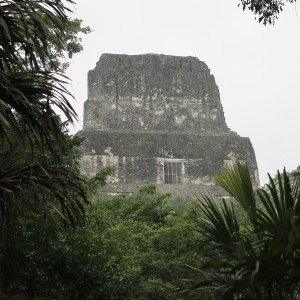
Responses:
[190,191]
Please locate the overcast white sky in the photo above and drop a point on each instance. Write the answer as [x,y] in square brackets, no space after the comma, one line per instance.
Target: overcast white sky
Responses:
[257,68]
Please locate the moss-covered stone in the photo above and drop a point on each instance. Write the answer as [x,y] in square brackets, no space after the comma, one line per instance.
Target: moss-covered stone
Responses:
[146,110]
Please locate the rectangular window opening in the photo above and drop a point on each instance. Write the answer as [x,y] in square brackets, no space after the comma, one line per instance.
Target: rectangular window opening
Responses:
[172,172]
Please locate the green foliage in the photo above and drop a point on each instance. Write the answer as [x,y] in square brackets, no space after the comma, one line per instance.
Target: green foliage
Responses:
[149,189]
[237,183]
[148,245]
[295,172]
[258,259]
[100,178]
[26,29]
[134,247]
[266,10]
[39,181]
[67,47]
[48,262]
[36,165]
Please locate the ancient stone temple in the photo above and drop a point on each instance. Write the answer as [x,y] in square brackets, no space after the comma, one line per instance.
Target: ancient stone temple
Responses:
[159,119]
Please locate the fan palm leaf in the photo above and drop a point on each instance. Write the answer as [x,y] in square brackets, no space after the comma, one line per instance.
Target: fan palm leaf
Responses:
[261,261]
[237,182]
[218,224]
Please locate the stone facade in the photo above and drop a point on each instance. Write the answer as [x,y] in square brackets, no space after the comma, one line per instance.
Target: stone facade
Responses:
[159,119]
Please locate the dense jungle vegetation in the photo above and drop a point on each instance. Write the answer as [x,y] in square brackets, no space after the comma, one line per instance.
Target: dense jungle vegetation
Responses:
[59,240]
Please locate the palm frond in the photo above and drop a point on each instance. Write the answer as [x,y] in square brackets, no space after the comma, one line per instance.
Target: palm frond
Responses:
[39,187]
[218,224]
[25,28]
[262,263]
[275,218]
[27,102]
[237,182]
[296,192]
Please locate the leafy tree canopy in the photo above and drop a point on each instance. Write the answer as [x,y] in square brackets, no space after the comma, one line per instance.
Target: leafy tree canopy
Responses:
[267,11]
[134,247]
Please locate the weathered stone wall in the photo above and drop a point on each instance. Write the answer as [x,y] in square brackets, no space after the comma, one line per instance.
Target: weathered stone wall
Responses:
[145,110]
[153,92]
